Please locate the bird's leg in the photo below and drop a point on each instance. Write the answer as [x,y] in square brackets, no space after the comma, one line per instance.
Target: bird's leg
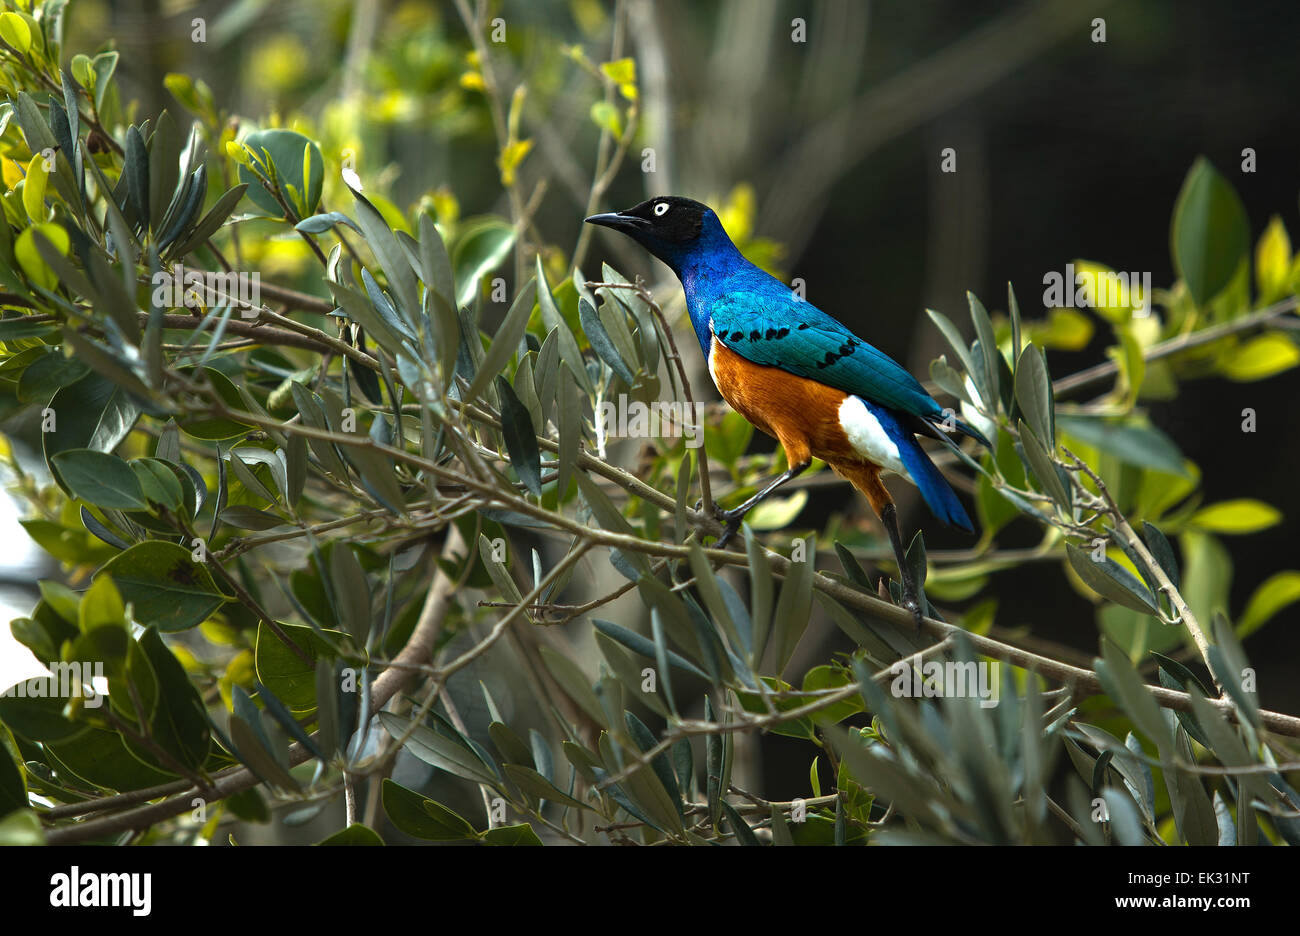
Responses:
[911,601]
[731,519]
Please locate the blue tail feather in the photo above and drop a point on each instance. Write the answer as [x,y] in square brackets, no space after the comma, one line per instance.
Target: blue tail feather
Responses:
[937,493]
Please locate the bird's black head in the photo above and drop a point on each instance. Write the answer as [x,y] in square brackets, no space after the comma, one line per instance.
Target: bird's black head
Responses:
[668,226]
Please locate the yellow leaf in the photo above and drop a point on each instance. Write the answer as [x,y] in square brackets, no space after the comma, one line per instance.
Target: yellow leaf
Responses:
[306,176]
[1261,357]
[15,31]
[510,159]
[1272,261]
[1112,295]
[34,189]
[1236,516]
[620,71]
[1066,329]
[30,260]
[445,206]
[1272,596]
[238,152]
[13,173]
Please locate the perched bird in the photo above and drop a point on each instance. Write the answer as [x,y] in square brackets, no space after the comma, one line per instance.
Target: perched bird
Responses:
[798,374]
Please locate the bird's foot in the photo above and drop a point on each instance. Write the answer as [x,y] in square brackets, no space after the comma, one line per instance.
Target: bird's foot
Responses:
[730,520]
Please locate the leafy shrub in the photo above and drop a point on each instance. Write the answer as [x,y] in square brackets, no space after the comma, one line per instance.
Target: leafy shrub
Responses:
[301,517]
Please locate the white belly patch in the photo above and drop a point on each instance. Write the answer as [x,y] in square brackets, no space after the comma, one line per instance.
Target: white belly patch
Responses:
[868,437]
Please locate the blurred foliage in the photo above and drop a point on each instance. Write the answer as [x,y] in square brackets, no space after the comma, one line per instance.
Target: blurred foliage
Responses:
[263,498]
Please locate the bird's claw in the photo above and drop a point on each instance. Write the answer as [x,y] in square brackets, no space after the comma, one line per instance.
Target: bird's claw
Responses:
[730,520]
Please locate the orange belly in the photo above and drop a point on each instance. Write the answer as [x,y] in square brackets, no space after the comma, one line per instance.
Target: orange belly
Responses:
[802,414]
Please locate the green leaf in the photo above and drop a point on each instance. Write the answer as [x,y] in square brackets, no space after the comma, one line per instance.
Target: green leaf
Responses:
[1131,442]
[645,646]
[506,342]
[555,324]
[93,413]
[534,784]
[180,722]
[286,148]
[1236,517]
[251,747]
[605,115]
[164,169]
[991,370]
[520,437]
[483,244]
[135,170]
[292,679]
[422,817]
[1210,234]
[159,484]
[793,608]
[211,222]
[519,834]
[1043,468]
[29,256]
[320,223]
[1034,394]
[349,583]
[438,750]
[216,428]
[1161,551]
[434,260]
[1110,580]
[955,339]
[1125,686]
[99,479]
[569,405]
[21,827]
[601,343]
[1228,662]
[574,683]
[355,834]
[13,781]
[166,586]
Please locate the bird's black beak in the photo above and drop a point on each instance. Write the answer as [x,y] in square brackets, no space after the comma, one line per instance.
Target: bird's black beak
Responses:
[618,221]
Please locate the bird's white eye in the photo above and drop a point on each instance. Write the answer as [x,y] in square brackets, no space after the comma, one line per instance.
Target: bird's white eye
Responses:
[661,209]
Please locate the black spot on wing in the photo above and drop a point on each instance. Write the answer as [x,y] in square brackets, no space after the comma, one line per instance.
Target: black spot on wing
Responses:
[844,350]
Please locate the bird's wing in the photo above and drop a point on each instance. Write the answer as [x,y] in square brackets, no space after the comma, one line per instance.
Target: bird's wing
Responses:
[780,331]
